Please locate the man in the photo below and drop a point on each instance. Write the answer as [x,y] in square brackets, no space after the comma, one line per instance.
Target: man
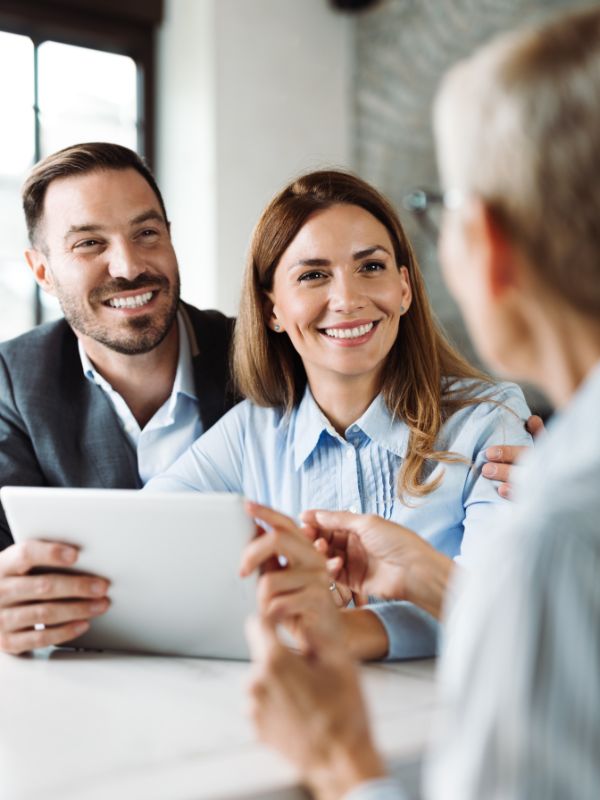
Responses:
[517,129]
[117,390]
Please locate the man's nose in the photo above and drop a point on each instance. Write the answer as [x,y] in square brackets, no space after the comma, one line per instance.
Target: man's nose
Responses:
[124,261]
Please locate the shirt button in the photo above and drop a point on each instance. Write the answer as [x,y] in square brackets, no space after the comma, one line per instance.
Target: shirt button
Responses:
[352,509]
[354,429]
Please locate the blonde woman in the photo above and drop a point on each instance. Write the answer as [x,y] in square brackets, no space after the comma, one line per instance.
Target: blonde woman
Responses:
[355,400]
[517,129]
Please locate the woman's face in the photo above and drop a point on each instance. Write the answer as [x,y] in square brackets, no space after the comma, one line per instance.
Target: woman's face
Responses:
[338,292]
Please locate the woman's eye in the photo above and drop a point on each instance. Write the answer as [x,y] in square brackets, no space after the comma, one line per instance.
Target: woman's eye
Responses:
[313,275]
[373,266]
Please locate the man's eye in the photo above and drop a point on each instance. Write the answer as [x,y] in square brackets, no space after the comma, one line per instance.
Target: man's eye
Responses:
[148,233]
[313,275]
[87,243]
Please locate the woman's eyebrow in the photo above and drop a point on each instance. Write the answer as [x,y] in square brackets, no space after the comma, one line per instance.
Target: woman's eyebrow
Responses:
[368,251]
[311,262]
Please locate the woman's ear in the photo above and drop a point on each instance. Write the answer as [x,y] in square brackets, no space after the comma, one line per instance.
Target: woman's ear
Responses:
[270,314]
[406,290]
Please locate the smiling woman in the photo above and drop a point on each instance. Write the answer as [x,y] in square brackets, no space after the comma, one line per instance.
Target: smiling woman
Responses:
[355,399]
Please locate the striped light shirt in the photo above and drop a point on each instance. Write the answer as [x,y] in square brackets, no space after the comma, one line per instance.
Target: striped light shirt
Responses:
[295,462]
[520,675]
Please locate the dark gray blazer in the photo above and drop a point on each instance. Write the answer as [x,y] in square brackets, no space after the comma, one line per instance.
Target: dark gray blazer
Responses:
[59,429]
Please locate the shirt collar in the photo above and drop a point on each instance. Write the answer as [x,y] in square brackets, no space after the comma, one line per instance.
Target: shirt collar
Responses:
[184,376]
[376,423]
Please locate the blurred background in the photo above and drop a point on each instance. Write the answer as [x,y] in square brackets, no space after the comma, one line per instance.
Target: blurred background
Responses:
[228,100]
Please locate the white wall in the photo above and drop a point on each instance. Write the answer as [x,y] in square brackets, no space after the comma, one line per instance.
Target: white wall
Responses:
[251,93]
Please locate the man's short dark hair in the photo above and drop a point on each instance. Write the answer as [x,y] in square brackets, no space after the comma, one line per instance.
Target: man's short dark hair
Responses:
[78,159]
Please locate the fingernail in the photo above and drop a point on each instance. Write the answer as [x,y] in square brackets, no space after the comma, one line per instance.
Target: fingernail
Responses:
[98,587]
[497,452]
[98,608]
[489,470]
[67,555]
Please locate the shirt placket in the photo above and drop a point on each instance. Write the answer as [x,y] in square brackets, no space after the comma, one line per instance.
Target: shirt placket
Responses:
[350,471]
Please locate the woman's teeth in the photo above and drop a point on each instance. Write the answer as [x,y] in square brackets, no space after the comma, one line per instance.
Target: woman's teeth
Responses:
[349,333]
[133,301]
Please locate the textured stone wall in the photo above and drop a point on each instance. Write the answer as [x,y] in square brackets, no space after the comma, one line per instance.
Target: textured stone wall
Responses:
[402,47]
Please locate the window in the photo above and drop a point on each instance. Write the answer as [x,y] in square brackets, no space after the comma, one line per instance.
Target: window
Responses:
[75,75]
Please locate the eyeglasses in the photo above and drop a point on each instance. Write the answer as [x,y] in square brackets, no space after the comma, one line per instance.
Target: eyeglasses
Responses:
[428,207]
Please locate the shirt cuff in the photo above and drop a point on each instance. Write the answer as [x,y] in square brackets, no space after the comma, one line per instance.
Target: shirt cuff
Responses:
[380,789]
[411,632]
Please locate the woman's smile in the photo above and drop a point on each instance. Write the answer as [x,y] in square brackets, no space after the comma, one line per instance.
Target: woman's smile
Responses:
[338,294]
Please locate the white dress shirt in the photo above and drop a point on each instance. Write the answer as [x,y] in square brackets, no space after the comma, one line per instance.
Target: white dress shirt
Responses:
[520,670]
[173,427]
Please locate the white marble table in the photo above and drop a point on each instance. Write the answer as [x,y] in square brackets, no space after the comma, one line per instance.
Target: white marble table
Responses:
[82,726]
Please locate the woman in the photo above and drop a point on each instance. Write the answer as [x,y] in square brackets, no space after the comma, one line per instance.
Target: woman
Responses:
[355,399]
[517,129]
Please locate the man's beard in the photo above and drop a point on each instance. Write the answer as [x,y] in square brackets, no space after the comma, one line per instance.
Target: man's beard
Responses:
[142,333]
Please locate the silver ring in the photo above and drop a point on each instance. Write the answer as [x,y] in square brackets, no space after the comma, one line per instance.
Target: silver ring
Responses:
[333,586]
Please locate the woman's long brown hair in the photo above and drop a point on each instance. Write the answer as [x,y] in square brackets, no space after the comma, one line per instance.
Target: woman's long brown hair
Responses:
[419,382]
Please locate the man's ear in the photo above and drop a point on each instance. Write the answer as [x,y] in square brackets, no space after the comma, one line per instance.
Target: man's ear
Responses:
[498,255]
[38,264]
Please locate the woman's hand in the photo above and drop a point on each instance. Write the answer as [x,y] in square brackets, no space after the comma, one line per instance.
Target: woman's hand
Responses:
[311,709]
[297,595]
[374,556]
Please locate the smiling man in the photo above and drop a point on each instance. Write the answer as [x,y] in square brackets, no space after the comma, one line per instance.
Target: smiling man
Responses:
[113,393]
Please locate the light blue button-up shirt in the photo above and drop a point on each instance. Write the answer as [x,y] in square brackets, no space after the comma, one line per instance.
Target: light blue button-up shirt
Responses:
[295,462]
[173,427]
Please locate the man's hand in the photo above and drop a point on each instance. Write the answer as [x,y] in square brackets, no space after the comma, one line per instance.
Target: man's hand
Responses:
[374,556]
[311,709]
[501,460]
[61,603]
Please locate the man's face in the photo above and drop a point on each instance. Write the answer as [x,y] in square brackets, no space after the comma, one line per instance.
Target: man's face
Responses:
[104,250]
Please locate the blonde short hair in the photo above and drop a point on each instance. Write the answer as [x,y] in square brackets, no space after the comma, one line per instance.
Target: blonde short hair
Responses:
[518,125]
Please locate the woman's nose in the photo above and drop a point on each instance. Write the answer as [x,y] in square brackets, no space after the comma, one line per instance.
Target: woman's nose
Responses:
[347,294]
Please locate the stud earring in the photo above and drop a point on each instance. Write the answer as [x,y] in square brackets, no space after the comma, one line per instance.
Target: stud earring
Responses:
[277,327]
[402,309]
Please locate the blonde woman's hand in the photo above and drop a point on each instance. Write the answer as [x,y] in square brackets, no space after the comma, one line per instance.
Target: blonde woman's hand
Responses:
[311,709]
[298,594]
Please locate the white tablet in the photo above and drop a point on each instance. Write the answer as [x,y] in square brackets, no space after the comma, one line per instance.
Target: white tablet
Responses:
[172,560]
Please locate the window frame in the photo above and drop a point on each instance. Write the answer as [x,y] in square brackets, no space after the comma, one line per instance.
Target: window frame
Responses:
[100,25]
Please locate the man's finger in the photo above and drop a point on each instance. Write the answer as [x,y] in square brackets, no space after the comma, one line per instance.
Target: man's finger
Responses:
[18,559]
[496,472]
[19,618]
[33,588]
[535,425]
[24,641]
[507,454]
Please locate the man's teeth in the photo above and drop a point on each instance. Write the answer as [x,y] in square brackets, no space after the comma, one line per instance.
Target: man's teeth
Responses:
[133,301]
[349,333]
